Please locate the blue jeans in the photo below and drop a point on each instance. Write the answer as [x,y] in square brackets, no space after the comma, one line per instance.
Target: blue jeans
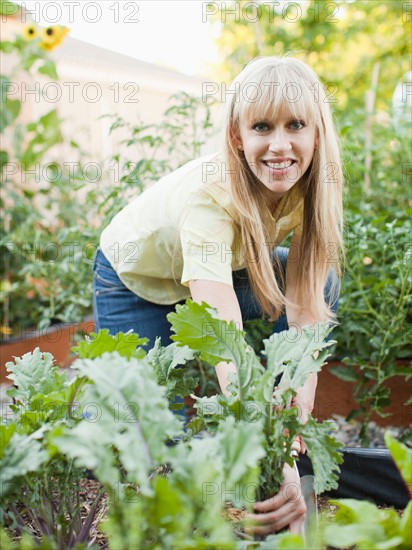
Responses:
[118,309]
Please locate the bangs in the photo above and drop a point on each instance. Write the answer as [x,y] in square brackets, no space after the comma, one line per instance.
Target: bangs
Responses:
[277,91]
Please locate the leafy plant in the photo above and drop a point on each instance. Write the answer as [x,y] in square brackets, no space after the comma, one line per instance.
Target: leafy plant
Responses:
[162,486]
[378,280]
[364,525]
[40,488]
[165,487]
[130,435]
[252,396]
[375,144]
[50,263]
[40,260]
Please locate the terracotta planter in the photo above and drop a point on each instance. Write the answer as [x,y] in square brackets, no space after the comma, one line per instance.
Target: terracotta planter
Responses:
[335,396]
[57,340]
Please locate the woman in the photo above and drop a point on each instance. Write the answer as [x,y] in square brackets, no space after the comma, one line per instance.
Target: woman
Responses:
[211,231]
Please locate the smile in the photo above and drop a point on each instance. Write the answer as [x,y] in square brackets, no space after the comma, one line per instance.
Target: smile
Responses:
[279,165]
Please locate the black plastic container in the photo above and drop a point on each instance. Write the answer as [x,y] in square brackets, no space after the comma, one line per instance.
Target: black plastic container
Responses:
[369,474]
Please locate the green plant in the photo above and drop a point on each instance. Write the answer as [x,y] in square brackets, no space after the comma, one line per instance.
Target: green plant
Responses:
[165,488]
[292,354]
[40,259]
[375,305]
[31,470]
[363,525]
[374,330]
[52,439]
[49,263]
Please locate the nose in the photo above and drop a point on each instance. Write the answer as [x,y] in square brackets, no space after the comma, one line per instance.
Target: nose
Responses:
[279,141]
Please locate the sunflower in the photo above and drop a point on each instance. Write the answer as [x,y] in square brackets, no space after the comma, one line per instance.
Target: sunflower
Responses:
[30,32]
[53,36]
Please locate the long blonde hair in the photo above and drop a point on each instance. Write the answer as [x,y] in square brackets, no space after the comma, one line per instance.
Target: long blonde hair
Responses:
[257,93]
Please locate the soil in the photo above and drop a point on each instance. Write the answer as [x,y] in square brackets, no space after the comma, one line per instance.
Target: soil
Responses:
[349,433]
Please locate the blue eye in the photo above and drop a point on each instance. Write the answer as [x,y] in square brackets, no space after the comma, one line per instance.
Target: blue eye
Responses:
[260,124]
[298,123]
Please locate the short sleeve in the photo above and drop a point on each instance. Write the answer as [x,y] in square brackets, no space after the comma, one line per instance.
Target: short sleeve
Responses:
[207,236]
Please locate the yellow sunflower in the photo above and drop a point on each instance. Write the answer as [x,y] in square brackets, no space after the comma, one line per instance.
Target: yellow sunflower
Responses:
[53,36]
[30,32]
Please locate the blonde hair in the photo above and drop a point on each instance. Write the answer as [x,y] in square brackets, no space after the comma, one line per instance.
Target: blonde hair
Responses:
[264,87]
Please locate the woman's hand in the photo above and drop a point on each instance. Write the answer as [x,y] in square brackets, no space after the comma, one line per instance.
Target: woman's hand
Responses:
[287,508]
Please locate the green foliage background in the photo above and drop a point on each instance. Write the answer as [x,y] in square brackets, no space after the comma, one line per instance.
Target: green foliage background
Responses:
[341,40]
[344,42]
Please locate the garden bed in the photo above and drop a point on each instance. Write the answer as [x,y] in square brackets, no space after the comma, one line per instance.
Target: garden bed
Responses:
[89,489]
[124,432]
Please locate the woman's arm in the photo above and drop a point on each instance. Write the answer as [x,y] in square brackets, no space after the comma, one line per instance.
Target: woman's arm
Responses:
[224,299]
[287,508]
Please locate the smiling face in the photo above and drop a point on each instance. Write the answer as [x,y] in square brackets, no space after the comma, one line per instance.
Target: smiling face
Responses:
[278,149]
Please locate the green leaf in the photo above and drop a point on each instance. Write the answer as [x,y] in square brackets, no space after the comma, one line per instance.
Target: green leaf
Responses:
[9,112]
[406,526]
[124,344]
[402,455]
[165,360]
[195,426]
[283,541]
[6,433]
[130,420]
[323,451]
[34,373]
[4,159]
[201,474]
[242,448]
[23,454]
[49,68]
[47,133]
[199,327]
[6,46]
[345,372]
[363,524]
[29,59]
[345,536]
[8,8]
[125,522]
[52,407]
[298,354]
[212,410]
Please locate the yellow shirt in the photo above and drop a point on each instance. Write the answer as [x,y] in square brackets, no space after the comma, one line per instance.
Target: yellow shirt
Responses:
[182,228]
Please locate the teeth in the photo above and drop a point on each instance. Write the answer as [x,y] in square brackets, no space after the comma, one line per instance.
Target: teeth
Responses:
[285,164]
